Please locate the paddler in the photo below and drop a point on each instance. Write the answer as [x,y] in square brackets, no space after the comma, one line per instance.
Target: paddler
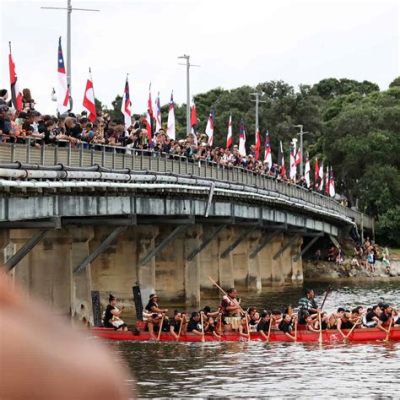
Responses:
[344,322]
[230,309]
[287,325]
[307,306]
[112,315]
[176,322]
[263,325]
[194,325]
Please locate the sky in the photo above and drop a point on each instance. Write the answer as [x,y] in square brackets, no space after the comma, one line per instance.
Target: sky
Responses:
[234,42]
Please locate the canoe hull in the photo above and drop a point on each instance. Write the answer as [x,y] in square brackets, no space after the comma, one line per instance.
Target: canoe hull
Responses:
[328,336]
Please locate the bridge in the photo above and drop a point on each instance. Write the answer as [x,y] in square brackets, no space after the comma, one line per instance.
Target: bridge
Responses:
[76,221]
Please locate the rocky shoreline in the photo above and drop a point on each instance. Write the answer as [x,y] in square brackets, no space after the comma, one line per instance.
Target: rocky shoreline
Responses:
[323,270]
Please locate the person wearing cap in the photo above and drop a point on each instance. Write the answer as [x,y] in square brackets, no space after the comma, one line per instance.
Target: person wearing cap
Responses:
[152,305]
[152,314]
[112,315]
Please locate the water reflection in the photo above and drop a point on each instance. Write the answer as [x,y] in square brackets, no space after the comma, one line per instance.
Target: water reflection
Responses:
[257,369]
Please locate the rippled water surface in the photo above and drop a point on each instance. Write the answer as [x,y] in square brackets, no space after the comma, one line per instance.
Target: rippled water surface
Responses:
[278,370]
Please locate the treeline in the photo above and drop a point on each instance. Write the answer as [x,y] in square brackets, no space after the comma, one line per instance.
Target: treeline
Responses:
[352,125]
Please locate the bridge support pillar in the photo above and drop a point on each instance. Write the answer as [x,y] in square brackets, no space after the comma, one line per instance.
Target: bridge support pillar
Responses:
[297,264]
[81,282]
[225,265]
[146,273]
[254,268]
[192,267]
[277,277]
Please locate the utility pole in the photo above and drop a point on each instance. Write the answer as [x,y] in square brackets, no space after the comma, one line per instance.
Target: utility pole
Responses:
[69,9]
[257,101]
[301,133]
[188,65]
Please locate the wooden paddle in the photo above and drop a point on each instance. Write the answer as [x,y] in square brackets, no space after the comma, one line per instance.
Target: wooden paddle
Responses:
[269,328]
[161,325]
[203,339]
[352,329]
[247,325]
[388,332]
[295,330]
[180,327]
[320,328]
[224,293]
[326,295]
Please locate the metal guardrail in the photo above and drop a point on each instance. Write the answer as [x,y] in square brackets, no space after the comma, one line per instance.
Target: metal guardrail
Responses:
[114,157]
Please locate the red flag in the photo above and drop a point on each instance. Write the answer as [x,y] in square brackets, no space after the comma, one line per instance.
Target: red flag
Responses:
[229,137]
[298,159]
[149,116]
[88,100]
[281,160]
[16,95]
[258,144]
[193,117]
[316,173]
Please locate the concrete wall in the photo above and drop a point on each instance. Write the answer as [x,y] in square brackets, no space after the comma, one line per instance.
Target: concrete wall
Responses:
[48,270]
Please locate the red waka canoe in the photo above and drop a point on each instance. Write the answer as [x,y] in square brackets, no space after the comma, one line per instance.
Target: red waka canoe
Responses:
[328,336]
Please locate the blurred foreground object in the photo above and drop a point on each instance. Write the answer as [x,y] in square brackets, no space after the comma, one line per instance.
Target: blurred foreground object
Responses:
[43,357]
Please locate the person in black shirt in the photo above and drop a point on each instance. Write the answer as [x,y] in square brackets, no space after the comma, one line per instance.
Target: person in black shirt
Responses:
[112,315]
[194,325]
[263,325]
[286,326]
[176,322]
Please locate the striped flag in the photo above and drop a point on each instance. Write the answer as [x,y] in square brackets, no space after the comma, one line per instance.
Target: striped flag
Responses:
[16,94]
[193,118]
[267,151]
[316,173]
[149,116]
[63,95]
[257,144]
[307,172]
[332,190]
[321,177]
[158,113]
[88,99]
[293,166]
[210,128]
[229,137]
[171,118]
[242,139]
[126,105]
[281,160]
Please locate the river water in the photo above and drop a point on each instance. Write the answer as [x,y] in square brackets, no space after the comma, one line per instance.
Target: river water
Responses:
[277,370]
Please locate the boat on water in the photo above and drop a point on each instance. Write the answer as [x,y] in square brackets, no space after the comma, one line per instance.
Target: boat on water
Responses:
[328,336]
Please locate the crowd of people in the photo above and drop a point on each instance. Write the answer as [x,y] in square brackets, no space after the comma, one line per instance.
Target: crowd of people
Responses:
[77,129]
[230,316]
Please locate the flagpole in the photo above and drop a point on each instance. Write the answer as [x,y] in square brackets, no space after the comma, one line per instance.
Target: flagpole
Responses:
[94,96]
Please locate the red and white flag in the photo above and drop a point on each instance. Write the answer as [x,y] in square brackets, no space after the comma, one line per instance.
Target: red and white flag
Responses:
[307,173]
[158,112]
[316,173]
[267,151]
[229,137]
[257,144]
[16,95]
[327,181]
[321,177]
[88,99]
[171,118]
[149,116]
[332,190]
[293,165]
[193,119]
[210,129]
[126,105]
[242,139]
[281,160]
[62,92]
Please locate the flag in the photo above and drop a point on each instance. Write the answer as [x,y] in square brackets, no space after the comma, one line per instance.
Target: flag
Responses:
[63,94]
[316,173]
[158,112]
[193,118]
[210,128]
[281,160]
[332,190]
[257,144]
[327,181]
[267,151]
[298,160]
[293,165]
[88,99]
[307,172]
[321,177]
[229,137]
[126,105]
[149,116]
[171,118]
[16,94]
[242,139]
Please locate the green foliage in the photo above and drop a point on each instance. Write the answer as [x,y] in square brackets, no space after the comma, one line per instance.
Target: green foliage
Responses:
[389,226]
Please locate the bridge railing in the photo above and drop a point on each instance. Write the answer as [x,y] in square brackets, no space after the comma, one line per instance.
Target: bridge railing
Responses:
[114,157]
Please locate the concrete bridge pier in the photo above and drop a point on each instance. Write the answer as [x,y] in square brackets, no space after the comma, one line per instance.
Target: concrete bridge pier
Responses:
[274,247]
[81,281]
[254,278]
[224,265]
[297,263]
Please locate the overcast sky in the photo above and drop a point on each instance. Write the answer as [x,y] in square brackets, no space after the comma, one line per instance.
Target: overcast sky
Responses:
[234,42]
